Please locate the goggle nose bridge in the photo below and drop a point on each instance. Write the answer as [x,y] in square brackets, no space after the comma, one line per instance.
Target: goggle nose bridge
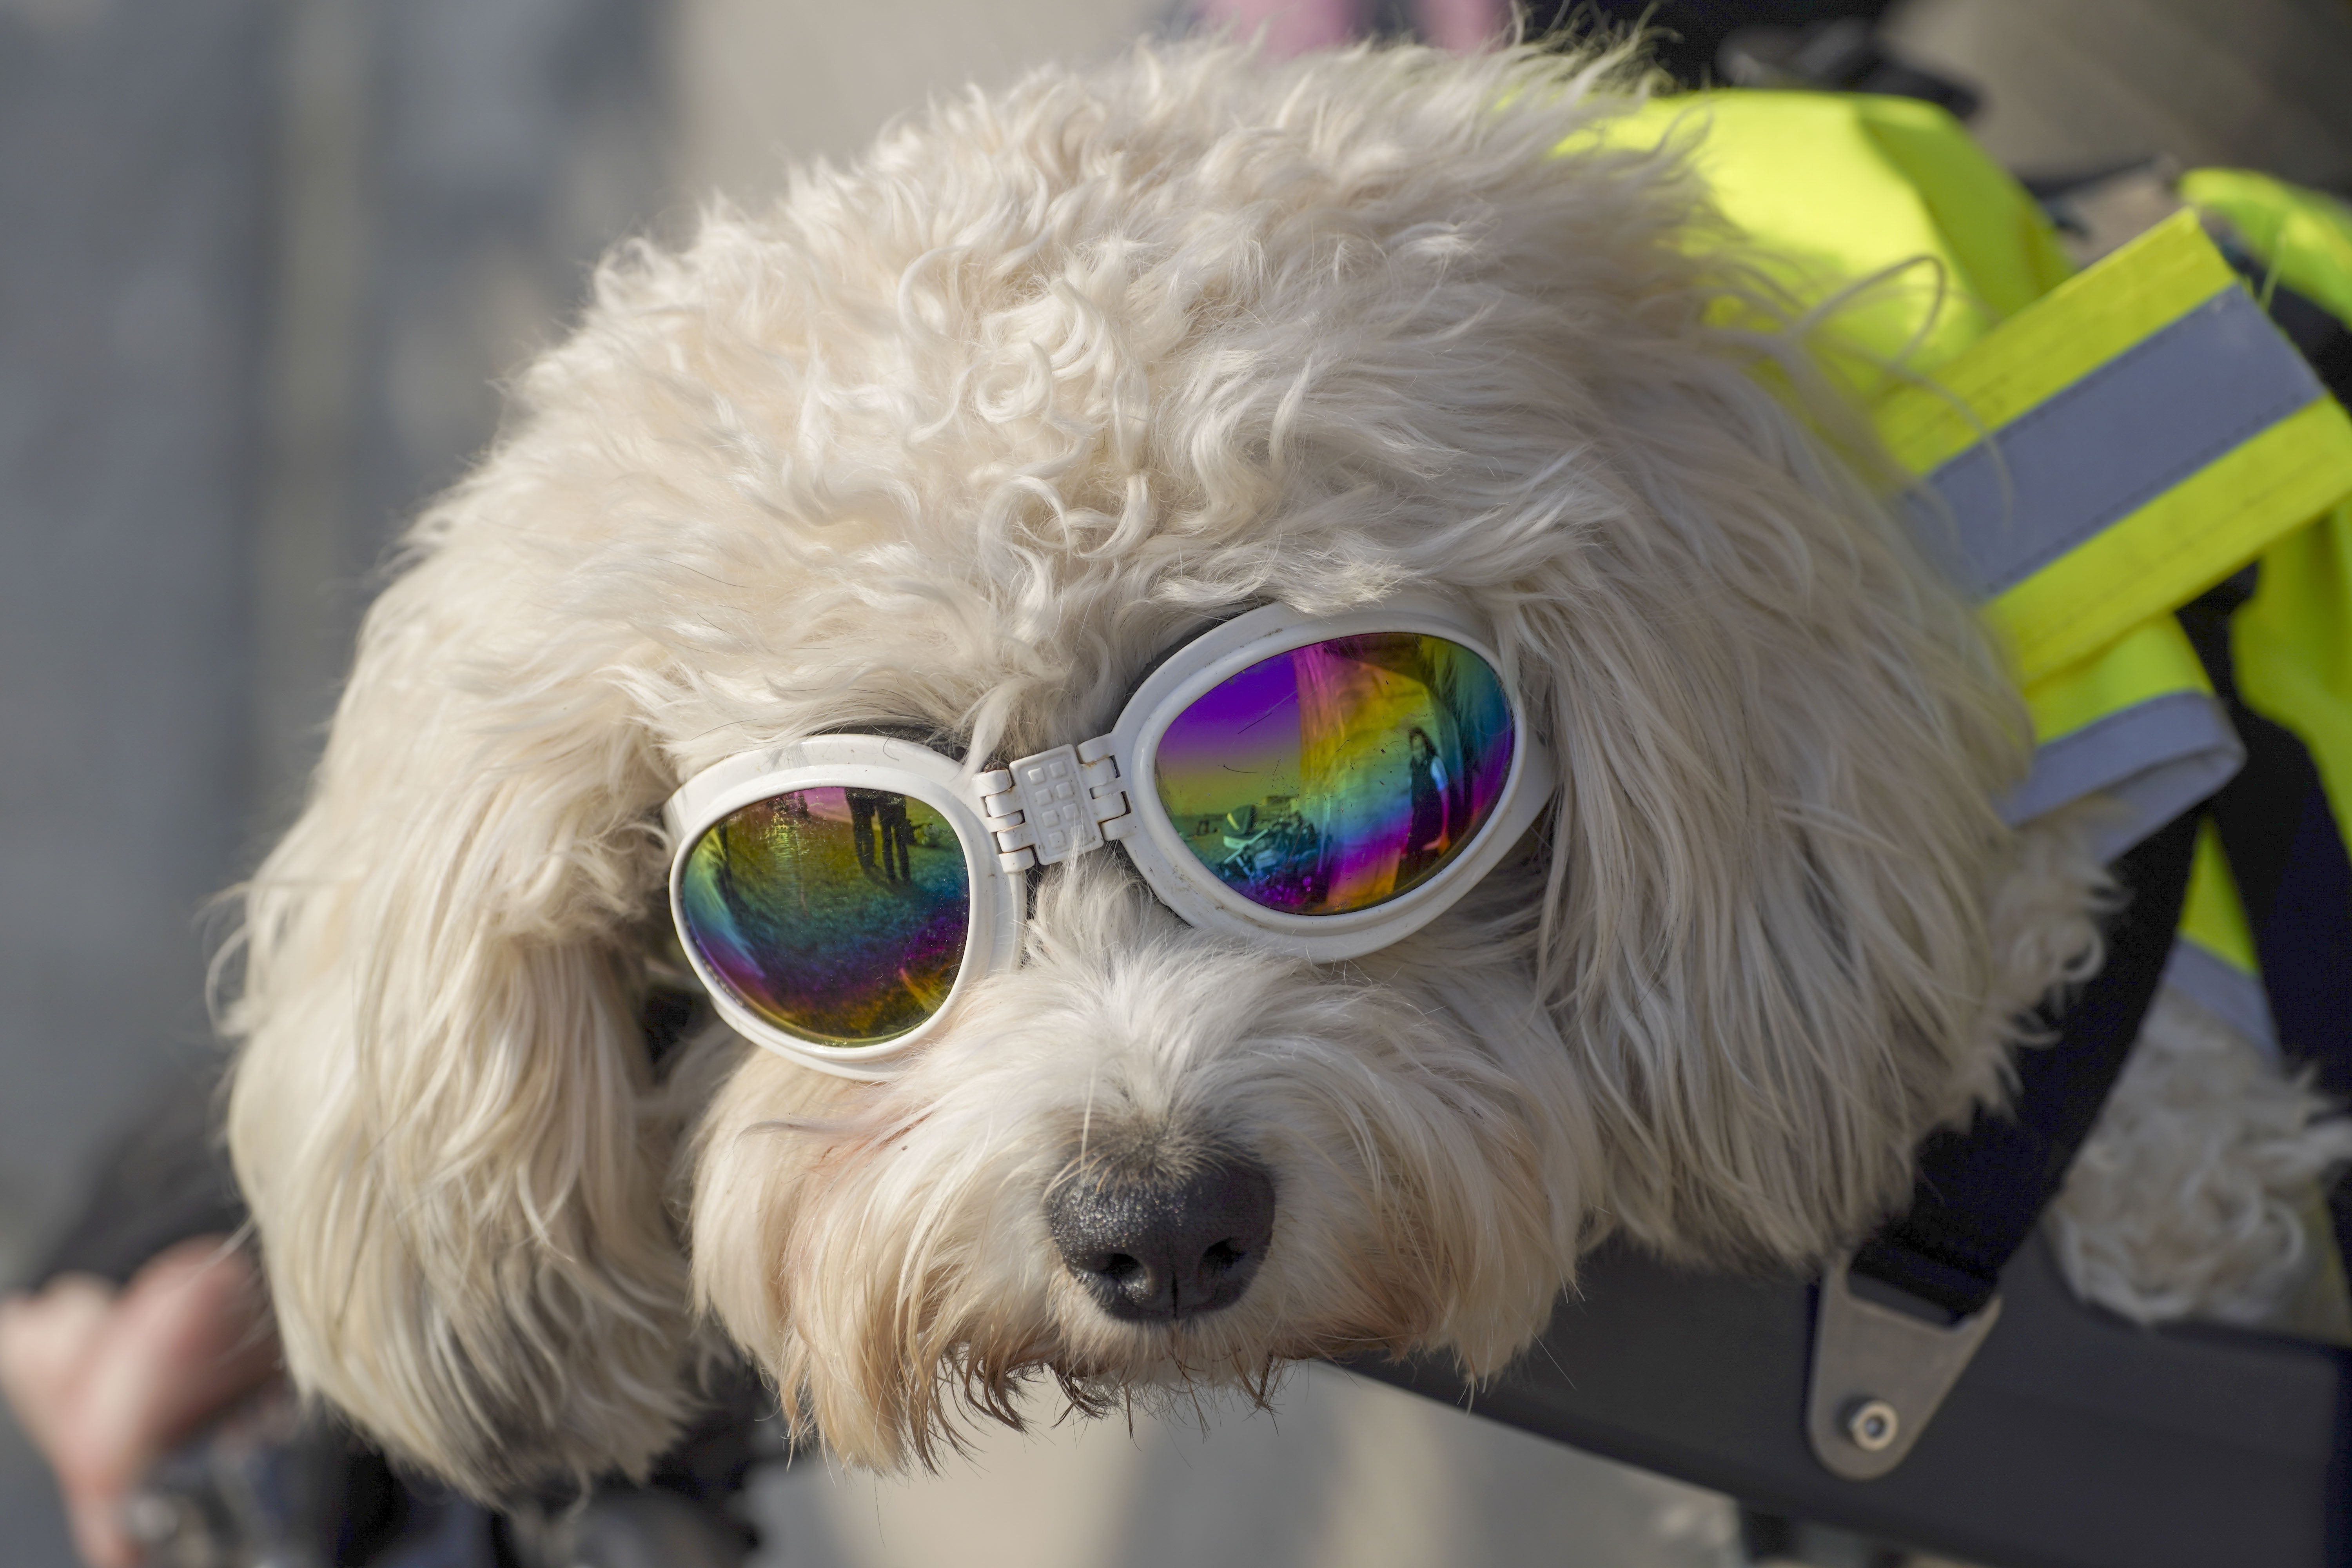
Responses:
[1055,805]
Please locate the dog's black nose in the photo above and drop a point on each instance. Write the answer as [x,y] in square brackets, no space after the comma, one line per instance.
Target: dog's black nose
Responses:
[1152,1246]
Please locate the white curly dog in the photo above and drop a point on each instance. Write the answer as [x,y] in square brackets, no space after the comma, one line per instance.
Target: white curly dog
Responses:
[945,450]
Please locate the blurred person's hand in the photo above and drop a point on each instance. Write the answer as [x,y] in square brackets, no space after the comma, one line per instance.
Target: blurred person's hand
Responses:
[108,1381]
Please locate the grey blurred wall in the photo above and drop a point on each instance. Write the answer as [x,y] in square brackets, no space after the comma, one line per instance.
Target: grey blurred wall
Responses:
[134,247]
[262,264]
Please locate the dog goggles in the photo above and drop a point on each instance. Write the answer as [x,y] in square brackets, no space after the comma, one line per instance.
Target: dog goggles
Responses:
[1322,786]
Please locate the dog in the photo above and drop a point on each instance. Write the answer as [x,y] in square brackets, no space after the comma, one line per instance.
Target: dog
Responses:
[945,450]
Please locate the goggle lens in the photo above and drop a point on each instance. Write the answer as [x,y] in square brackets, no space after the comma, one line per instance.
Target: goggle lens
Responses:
[1338,775]
[837,915]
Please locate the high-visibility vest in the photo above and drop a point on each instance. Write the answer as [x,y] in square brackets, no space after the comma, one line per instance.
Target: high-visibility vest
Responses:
[2092,449]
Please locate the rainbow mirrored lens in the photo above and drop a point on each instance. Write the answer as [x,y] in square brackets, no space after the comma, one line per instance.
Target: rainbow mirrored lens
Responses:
[1338,775]
[835,914]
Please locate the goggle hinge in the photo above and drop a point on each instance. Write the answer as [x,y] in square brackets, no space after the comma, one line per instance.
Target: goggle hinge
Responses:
[1044,809]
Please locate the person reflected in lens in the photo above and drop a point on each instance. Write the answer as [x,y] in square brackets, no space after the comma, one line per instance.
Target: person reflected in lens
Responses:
[896,835]
[863,808]
[1430,836]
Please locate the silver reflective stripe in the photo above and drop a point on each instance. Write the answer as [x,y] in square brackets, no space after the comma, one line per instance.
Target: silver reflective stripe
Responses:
[2153,759]
[2224,990]
[2123,435]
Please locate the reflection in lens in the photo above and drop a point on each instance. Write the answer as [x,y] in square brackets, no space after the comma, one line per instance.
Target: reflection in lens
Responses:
[835,914]
[1335,776]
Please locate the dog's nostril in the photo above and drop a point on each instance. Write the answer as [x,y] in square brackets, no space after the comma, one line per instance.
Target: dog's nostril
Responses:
[1156,1245]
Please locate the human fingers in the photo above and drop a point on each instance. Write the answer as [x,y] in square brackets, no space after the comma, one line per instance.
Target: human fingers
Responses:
[44,1345]
[186,1339]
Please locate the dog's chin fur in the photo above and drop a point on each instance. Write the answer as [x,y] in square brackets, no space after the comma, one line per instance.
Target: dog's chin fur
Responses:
[963,436]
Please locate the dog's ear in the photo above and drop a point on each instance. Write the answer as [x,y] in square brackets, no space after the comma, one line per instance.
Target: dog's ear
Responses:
[441,1111]
[1777,855]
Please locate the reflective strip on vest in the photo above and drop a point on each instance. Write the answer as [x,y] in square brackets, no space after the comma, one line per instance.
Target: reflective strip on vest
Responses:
[2109,452]
[2136,721]
[2130,430]
[2233,994]
[1886,215]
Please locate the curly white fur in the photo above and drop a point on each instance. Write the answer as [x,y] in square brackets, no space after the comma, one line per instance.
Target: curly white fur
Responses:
[2192,1196]
[960,438]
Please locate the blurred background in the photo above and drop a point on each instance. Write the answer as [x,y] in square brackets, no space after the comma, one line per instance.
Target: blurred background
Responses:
[263,264]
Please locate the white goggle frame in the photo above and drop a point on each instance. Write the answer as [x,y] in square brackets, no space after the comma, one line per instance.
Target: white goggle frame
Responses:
[1057,804]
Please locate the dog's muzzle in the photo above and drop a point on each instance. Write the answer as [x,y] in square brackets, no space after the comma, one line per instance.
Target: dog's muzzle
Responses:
[1151,1247]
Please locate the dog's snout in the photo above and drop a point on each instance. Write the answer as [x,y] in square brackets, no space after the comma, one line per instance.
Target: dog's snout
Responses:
[1156,1247]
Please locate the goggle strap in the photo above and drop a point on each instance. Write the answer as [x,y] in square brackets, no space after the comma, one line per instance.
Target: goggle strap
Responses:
[1047,808]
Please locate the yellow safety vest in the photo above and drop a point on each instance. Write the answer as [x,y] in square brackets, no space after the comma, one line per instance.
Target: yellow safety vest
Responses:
[2101,447]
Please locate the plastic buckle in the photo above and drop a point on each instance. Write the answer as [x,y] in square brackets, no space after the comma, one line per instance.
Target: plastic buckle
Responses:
[1879,1375]
[1046,808]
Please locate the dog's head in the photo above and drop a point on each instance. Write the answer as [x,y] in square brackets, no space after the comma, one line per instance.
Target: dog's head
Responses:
[954,445]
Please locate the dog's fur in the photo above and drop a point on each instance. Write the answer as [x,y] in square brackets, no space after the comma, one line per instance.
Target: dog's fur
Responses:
[961,438]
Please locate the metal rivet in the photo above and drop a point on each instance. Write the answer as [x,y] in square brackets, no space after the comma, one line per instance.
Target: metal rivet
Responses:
[1872,1425]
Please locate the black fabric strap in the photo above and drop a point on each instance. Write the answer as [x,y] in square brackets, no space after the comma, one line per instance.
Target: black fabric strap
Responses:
[1979,1191]
[2289,861]
[2286,853]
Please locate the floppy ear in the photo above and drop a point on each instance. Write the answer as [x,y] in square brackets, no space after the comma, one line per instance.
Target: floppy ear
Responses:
[441,1113]
[1780,741]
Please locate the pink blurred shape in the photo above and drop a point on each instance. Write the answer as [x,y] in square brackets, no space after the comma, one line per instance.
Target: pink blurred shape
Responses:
[1295,26]
[1462,26]
[1288,26]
